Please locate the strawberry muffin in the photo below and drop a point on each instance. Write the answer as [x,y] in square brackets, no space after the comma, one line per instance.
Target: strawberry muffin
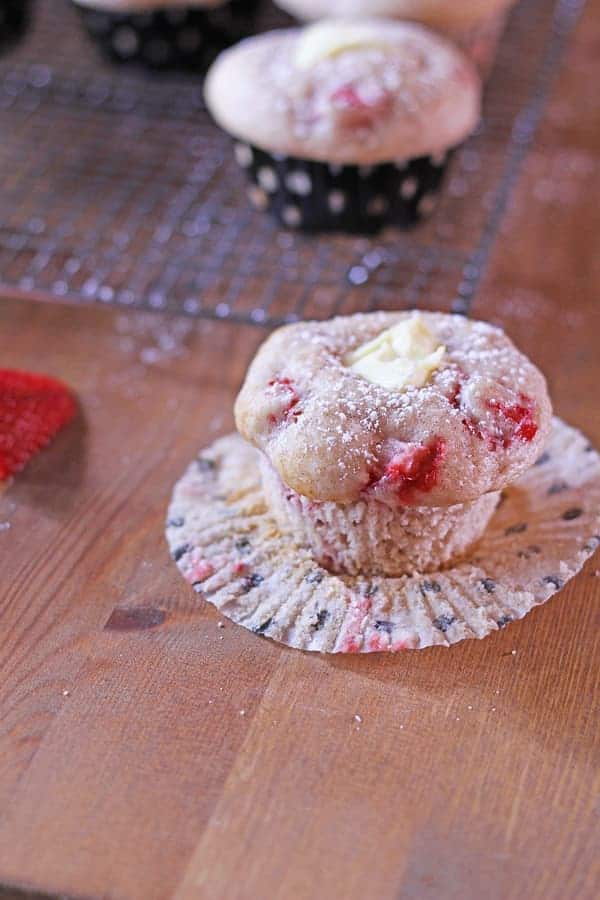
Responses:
[160,34]
[345,125]
[476,25]
[386,438]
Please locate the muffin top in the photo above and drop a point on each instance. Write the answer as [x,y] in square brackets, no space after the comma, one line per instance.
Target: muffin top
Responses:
[424,409]
[346,92]
[446,15]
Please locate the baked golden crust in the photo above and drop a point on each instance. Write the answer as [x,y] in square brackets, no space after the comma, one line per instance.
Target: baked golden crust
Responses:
[480,421]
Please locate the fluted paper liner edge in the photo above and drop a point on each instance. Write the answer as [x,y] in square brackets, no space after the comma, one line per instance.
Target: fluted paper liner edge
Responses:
[230,550]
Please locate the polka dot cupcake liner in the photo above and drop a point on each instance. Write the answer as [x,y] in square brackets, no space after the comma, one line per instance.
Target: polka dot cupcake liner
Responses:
[228,547]
[14,20]
[187,38]
[316,196]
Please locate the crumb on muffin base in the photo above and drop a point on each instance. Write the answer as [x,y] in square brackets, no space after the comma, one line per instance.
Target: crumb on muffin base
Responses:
[372,538]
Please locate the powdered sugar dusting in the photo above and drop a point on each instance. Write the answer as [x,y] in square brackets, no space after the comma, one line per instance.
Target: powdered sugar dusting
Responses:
[153,339]
[344,424]
[400,93]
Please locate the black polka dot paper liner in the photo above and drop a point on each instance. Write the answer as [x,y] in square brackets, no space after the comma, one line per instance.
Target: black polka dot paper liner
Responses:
[14,20]
[229,549]
[185,38]
[317,196]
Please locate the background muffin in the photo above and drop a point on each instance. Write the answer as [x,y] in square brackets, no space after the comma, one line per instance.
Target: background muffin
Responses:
[14,19]
[166,33]
[476,25]
[343,124]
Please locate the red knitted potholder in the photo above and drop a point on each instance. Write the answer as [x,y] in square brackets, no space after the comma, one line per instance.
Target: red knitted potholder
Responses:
[33,408]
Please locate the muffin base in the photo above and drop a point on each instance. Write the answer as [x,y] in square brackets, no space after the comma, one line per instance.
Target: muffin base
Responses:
[14,20]
[316,196]
[229,548]
[185,38]
[369,537]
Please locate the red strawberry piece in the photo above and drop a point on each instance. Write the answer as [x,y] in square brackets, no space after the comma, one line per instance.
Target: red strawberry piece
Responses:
[455,399]
[412,469]
[510,422]
[33,409]
[519,418]
[287,399]
[200,571]
[378,642]
[348,97]
[351,635]
[359,110]
[415,468]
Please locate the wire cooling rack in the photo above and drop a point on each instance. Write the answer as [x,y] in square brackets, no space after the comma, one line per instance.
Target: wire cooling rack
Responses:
[116,188]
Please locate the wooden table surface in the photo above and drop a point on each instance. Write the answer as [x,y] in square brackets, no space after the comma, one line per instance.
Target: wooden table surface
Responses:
[180,759]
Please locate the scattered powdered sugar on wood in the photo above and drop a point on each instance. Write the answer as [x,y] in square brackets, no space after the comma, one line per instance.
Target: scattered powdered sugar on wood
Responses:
[153,339]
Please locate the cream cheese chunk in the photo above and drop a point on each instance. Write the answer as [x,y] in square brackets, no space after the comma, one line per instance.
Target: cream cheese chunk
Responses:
[403,356]
[328,39]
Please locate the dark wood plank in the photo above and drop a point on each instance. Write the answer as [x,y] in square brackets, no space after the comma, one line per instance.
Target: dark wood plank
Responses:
[86,535]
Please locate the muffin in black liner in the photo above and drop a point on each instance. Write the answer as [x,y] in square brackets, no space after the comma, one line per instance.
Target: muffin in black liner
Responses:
[317,196]
[345,126]
[477,27]
[14,21]
[177,37]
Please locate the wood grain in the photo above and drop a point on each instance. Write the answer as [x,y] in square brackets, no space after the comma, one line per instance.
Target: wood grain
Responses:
[147,753]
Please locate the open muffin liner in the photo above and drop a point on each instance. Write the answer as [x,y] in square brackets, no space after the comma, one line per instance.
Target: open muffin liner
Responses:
[318,196]
[14,21]
[182,37]
[229,548]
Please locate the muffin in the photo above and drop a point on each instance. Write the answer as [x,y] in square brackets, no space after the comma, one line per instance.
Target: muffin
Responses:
[385,438]
[161,34]
[476,25]
[14,19]
[345,125]
[397,484]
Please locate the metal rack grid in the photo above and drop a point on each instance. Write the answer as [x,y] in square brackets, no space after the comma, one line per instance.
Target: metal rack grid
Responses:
[116,188]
